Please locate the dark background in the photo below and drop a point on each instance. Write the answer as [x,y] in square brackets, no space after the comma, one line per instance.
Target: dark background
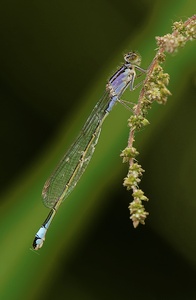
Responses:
[56,57]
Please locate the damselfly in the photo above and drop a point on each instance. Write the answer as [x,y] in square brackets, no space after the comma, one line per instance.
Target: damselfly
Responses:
[73,164]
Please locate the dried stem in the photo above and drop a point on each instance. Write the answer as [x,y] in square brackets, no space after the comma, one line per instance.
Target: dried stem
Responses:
[154,89]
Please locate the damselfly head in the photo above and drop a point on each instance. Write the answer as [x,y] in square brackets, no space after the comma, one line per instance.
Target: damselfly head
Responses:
[133,58]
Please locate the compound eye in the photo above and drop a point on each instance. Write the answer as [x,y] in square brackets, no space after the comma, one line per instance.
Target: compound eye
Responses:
[133,56]
[130,57]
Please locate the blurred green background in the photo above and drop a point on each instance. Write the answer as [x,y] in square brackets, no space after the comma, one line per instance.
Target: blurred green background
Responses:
[56,57]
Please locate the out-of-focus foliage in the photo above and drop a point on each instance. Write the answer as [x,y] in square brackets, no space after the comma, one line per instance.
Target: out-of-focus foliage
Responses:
[55,60]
